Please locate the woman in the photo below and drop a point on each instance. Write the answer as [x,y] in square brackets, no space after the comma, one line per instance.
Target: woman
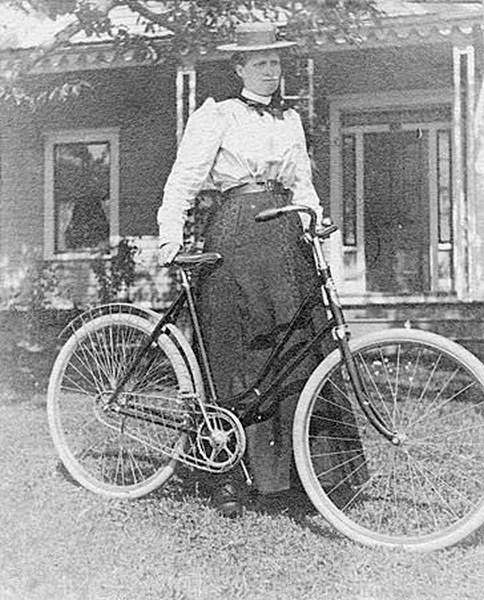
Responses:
[253,150]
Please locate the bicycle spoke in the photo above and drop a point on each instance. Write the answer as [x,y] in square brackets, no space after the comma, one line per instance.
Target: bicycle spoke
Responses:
[425,388]
[395,396]
[348,410]
[414,495]
[337,453]
[393,393]
[376,388]
[445,402]
[337,422]
[454,414]
[426,472]
[82,375]
[452,432]
[385,495]
[102,354]
[439,394]
[85,364]
[78,389]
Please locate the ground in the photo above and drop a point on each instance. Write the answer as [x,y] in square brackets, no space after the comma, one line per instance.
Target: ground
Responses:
[61,542]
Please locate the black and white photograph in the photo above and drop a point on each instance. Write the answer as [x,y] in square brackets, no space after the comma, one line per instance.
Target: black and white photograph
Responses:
[242,299]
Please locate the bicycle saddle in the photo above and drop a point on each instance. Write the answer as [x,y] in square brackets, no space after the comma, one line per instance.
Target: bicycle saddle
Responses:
[196,260]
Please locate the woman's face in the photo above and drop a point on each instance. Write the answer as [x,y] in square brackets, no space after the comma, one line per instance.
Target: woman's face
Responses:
[261,72]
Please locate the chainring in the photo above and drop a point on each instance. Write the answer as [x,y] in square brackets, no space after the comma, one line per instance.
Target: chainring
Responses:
[220,442]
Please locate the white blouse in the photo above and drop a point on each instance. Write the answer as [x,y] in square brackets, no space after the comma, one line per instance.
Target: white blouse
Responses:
[227,144]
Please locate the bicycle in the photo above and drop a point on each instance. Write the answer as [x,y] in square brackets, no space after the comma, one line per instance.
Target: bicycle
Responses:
[128,400]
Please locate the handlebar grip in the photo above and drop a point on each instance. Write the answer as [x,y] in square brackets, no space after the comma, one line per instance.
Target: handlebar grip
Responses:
[322,232]
[272,213]
[327,231]
[268,214]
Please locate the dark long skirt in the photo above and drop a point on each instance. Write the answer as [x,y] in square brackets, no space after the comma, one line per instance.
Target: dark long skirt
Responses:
[266,273]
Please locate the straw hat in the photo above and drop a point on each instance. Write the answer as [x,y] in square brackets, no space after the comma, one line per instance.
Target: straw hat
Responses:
[254,37]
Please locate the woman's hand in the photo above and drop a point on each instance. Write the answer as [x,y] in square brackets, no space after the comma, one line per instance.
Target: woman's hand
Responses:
[167,253]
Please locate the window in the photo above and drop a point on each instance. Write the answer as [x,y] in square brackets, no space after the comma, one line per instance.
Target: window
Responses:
[445,274]
[349,190]
[81,192]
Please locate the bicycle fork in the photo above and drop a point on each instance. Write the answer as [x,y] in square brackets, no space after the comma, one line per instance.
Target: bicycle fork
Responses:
[341,334]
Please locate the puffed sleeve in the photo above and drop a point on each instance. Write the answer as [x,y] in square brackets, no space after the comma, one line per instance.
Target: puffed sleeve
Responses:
[303,188]
[196,155]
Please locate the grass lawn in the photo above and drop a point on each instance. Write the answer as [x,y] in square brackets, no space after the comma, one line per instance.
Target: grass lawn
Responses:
[61,542]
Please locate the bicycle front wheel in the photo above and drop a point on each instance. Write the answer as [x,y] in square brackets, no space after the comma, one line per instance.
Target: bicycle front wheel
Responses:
[127,448]
[421,490]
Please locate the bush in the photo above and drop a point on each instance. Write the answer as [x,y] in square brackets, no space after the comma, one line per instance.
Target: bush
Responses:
[116,274]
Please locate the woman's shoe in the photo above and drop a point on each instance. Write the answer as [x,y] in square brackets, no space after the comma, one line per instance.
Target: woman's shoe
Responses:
[227,500]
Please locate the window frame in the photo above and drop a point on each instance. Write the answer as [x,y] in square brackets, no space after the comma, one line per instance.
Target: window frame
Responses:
[73,136]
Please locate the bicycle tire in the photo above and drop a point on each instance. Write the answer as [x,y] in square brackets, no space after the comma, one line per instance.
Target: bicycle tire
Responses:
[108,453]
[422,495]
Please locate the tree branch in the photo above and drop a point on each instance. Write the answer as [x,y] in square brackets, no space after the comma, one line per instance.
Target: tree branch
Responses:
[154,17]
[61,38]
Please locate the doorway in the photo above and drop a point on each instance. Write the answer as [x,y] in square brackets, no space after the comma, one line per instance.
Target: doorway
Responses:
[396,212]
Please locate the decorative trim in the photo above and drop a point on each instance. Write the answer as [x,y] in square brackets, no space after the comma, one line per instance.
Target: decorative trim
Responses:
[401,31]
[406,31]
[86,57]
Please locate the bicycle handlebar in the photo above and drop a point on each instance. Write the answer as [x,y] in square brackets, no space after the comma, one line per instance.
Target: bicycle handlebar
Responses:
[273,213]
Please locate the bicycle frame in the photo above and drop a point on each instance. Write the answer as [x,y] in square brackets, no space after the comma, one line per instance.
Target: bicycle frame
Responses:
[247,403]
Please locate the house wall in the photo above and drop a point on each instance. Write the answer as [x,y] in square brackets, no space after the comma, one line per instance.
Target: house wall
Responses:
[384,69]
[139,102]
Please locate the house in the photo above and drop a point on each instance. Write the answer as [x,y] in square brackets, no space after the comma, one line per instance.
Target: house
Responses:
[393,124]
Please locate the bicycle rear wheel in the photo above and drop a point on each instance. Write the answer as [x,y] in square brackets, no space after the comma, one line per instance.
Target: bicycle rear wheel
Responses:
[427,491]
[127,448]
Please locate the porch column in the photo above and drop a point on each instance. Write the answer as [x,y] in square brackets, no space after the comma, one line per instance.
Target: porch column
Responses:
[465,231]
[185,97]
[479,186]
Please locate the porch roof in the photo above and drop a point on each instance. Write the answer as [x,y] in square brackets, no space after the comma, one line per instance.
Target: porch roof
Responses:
[415,22]
[404,23]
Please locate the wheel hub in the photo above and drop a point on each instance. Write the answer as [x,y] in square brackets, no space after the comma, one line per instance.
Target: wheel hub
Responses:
[400,439]
[219,438]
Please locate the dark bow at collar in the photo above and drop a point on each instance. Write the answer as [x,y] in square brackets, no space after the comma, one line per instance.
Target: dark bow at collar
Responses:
[277,106]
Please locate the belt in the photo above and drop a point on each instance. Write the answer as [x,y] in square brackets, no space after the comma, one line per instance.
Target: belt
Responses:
[256,187]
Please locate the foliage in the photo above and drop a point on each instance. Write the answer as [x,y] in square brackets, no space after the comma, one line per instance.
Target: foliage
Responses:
[32,286]
[198,25]
[116,274]
[33,299]
[43,285]
[194,26]
[20,96]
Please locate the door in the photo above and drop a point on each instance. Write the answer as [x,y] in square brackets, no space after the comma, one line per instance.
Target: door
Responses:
[396,214]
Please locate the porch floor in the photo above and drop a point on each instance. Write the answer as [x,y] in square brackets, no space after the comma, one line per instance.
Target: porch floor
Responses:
[462,322]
